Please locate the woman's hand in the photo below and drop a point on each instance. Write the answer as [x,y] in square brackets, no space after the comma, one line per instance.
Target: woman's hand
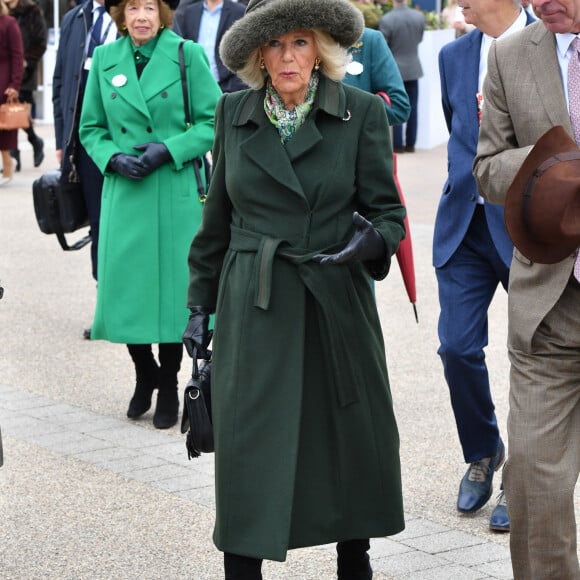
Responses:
[11,94]
[366,245]
[128,166]
[197,336]
[154,155]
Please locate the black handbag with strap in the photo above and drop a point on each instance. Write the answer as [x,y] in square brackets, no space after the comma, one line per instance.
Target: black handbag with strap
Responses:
[197,419]
[199,163]
[59,206]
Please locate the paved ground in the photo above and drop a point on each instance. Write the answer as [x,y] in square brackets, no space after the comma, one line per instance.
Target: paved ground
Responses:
[87,494]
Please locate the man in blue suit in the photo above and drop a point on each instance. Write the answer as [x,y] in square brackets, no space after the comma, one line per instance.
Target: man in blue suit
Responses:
[205,22]
[471,254]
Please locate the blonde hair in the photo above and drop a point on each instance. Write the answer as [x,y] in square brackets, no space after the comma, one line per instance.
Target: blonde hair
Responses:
[117,13]
[333,61]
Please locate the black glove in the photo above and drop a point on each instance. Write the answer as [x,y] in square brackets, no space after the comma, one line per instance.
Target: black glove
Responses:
[127,166]
[197,336]
[366,245]
[154,155]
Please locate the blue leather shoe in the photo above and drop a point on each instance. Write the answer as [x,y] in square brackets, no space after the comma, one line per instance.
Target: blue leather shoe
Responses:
[500,519]
[476,486]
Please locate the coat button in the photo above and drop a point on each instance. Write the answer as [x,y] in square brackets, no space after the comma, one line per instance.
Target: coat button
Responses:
[113,95]
[472,197]
[149,130]
[123,130]
[164,95]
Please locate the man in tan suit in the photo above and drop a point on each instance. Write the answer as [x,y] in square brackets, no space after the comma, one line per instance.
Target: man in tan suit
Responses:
[524,96]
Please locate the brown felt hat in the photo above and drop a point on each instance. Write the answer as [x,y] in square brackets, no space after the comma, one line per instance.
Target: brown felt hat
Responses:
[542,205]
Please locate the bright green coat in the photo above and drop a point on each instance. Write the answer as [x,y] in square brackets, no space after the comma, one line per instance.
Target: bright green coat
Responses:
[146,226]
[307,447]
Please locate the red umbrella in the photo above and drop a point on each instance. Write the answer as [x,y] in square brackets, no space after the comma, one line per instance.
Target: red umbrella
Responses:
[405,251]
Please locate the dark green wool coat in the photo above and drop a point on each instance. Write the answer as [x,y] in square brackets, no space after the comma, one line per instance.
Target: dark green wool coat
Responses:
[307,448]
[146,227]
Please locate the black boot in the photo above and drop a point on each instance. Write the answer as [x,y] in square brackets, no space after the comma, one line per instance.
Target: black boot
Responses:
[37,145]
[353,560]
[242,567]
[167,408]
[15,154]
[147,373]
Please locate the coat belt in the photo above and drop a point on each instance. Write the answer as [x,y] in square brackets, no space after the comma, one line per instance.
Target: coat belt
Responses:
[322,281]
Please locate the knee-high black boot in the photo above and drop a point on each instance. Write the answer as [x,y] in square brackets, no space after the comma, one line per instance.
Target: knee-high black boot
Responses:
[167,409]
[242,567]
[353,560]
[147,373]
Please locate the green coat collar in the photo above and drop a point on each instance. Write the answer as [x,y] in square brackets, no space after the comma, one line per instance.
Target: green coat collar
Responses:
[162,70]
[330,98]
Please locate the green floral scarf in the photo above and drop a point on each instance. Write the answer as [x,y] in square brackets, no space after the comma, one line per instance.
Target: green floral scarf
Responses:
[288,121]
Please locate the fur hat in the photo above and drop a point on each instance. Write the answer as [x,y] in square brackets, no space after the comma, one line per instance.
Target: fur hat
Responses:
[542,205]
[266,19]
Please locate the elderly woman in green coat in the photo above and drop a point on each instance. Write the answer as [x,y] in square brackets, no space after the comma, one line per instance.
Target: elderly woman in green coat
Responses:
[133,126]
[302,207]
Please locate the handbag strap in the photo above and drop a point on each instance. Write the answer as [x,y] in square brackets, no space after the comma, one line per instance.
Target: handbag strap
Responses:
[184,84]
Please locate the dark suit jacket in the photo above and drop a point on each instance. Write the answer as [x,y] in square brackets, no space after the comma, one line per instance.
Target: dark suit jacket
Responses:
[186,22]
[459,72]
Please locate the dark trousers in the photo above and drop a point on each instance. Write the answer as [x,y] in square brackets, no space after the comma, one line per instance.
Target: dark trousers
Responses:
[28,97]
[467,284]
[412,88]
[92,185]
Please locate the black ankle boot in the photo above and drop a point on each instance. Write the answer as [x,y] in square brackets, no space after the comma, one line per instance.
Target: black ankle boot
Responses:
[15,154]
[147,373]
[167,408]
[38,150]
[241,567]
[353,560]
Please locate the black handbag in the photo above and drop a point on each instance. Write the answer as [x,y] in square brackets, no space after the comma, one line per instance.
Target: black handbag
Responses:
[199,163]
[196,419]
[60,208]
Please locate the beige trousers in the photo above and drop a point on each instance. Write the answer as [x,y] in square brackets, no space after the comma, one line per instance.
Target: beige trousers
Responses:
[544,446]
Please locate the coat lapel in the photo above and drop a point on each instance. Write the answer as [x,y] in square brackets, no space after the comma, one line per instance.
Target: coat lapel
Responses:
[121,64]
[163,69]
[543,62]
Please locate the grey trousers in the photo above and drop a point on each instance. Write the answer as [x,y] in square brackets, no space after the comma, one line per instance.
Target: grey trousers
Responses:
[544,446]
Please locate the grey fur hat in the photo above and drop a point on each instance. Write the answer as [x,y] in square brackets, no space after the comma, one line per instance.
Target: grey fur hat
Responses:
[266,19]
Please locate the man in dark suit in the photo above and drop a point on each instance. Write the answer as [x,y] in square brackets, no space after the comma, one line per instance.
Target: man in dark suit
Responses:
[205,22]
[472,253]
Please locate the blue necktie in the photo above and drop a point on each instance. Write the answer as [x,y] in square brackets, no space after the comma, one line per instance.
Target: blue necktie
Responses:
[96,31]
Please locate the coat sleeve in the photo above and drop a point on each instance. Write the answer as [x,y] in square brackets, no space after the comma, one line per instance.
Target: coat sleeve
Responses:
[378,198]
[204,93]
[385,77]
[16,54]
[37,36]
[498,155]
[207,251]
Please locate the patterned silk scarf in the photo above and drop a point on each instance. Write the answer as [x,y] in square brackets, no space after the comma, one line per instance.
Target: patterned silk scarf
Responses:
[288,121]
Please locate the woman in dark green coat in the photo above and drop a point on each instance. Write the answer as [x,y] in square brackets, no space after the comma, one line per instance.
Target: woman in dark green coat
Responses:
[302,208]
[133,126]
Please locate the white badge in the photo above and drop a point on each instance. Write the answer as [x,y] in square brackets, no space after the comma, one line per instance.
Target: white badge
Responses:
[354,68]
[119,80]
[88,62]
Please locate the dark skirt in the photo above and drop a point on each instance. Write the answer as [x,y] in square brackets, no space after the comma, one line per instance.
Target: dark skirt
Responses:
[8,140]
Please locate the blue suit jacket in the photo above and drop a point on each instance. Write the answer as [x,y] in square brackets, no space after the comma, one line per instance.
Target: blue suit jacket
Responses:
[186,22]
[459,72]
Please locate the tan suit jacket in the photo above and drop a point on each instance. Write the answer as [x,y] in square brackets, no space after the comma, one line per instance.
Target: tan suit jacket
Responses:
[523,98]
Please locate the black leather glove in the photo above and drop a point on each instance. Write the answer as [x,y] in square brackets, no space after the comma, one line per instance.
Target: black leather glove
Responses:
[154,155]
[127,166]
[366,245]
[197,336]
